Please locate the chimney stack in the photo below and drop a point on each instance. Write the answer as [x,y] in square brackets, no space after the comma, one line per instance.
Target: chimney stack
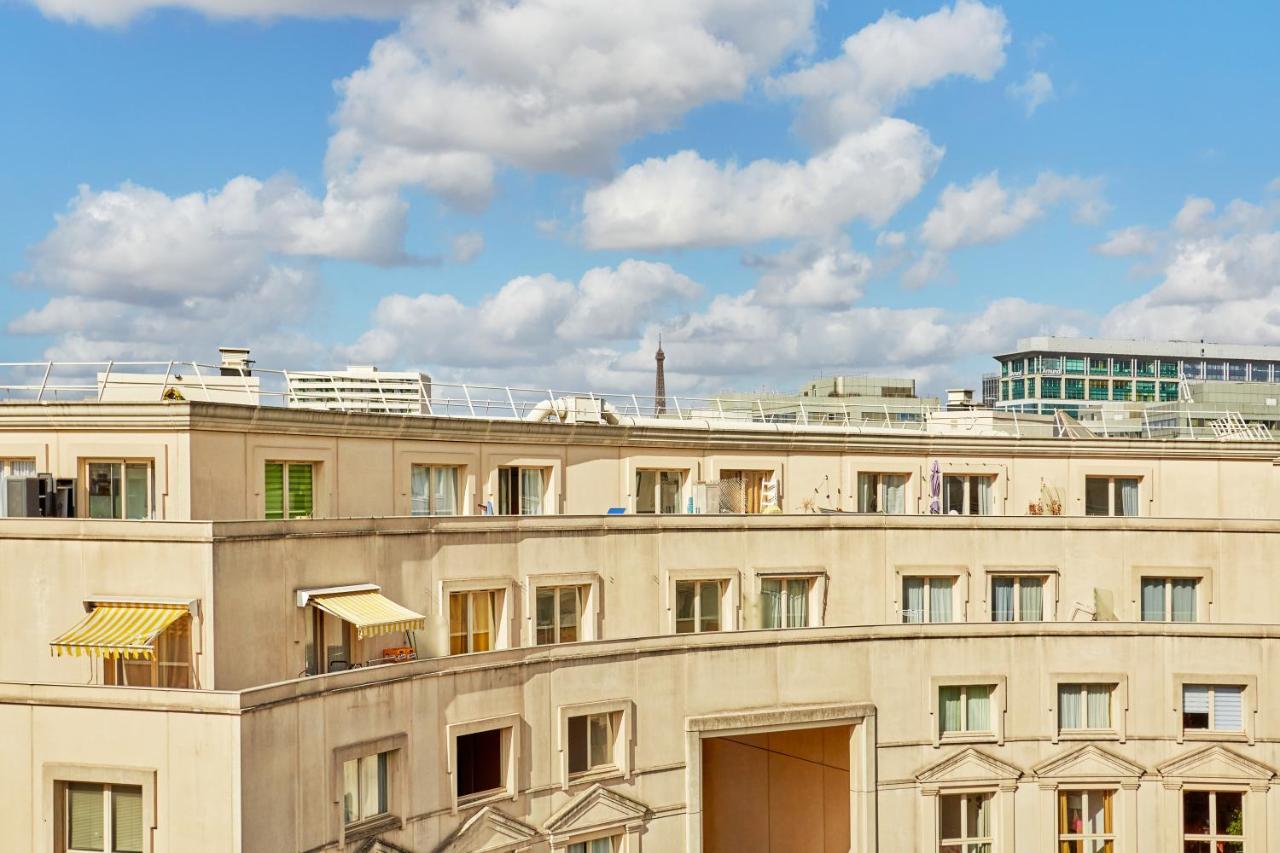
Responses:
[235,361]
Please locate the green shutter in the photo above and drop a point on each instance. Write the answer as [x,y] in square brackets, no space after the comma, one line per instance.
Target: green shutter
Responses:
[274,492]
[300,502]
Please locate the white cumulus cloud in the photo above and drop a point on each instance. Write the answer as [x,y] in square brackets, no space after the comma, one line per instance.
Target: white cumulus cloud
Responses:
[1034,92]
[1126,242]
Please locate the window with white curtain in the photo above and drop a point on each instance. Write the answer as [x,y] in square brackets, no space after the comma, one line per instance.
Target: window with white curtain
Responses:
[1212,708]
[1169,599]
[928,599]
[521,491]
[1084,707]
[965,709]
[100,818]
[364,788]
[784,602]
[885,493]
[608,844]
[968,494]
[433,490]
[1017,598]
[965,824]
[1111,495]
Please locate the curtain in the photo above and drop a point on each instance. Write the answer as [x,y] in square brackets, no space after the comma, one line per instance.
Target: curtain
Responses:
[1099,698]
[482,621]
[419,503]
[1227,711]
[1031,599]
[983,487]
[866,493]
[137,489]
[895,494]
[948,709]
[1184,600]
[953,495]
[797,603]
[940,599]
[531,491]
[1152,599]
[351,791]
[1070,714]
[444,491]
[979,708]
[771,604]
[1128,489]
[1002,600]
[913,600]
[980,817]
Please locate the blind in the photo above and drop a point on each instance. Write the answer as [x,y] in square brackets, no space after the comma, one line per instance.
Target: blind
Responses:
[86,829]
[1228,714]
[273,493]
[300,504]
[126,819]
[1195,699]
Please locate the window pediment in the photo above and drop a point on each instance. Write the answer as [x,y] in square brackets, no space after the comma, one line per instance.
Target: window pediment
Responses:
[594,809]
[967,767]
[1214,763]
[491,831]
[1088,762]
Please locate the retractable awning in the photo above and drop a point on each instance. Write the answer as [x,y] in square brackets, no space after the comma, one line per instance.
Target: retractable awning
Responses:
[369,610]
[119,629]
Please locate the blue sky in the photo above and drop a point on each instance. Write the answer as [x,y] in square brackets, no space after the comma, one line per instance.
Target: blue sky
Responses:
[533,203]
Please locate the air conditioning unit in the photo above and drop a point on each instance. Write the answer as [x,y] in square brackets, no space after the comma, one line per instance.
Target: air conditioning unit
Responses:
[584,410]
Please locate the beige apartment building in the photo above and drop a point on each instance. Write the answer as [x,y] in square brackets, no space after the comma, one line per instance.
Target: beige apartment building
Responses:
[258,628]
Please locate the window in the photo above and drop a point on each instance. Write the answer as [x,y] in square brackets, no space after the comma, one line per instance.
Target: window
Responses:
[1215,370]
[965,709]
[882,493]
[967,494]
[331,643]
[480,763]
[521,491]
[101,818]
[1075,364]
[289,489]
[744,491]
[1213,821]
[364,788]
[1098,367]
[1120,389]
[784,603]
[1169,599]
[1050,388]
[1004,390]
[964,823]
[1145,391]
[698,606]
[1260,372]
[593,739]
[658,491]
[472,618]
[119,489]
[1018,389]
[433,490]
[1098,389]
[1084,707]
[608,844]
[1111,496]
[1168,392]
[170,665]
[1168,369]
[1213,708]
[1237,371]
[1017,599]
[1122,366]
[1084,822]
[559,614]
[1193,369]
[1075,389]
[1146,367]
[928,599]
[1017,366]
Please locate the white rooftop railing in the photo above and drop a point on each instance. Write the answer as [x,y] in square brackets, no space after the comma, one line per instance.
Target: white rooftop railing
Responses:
[154,381]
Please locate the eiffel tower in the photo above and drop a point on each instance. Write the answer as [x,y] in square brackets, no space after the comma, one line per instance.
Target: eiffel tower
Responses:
[659,382]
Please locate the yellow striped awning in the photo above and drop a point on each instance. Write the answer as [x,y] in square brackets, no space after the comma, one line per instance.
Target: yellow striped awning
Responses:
[371,612]
[118,629]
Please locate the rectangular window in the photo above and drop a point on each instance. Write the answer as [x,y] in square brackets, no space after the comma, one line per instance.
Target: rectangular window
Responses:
[1213,821]
[608,844]
[289,490]
[1260,372]
[1193,369]
[1051,388]
[364,788]
[1168,369]
[1084,822]
[658,492]
[784,602]
[331,643]
[1017,366]
[101,818]
[698,606]
[1122,367]
[1146,367]
[1121,390]
[119,489]
[882,493]
[592,742]
[170,665]
[1018,391]
[1111,496]
[1168,392]
[1017,599]
[1169,600]
[559,614]
[1215,370]
[1004,390]
[964,823]
[433,490]
[1084,707]
[480,769]
[928,599]
[1237,371]
[965,709]
[1098,367]
[743,491]
[1004,368]
[1051,364]
[472,621]
[1213,708]
[521,491]
[1145,391]
[1033,364]
[1098,389]
[1074,365]
[1075,389]
[968,494]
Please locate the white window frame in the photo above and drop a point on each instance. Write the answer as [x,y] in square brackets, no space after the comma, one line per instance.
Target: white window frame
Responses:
[880,490]
[487,598]
[503,605]
[621,713]
[998,708]
[284,481]
[957,609]
[681,473]
[968,479]
[730,583]
[1119,684]
[589,603]
[1248,685]
[1111,494]
[964,843]
[57,776]
[124,462]
[1212,838]
[544,497]
[396,747]
[1048,603]
[1167,610]
[960,591]
[580,593]
[697,605]
[1082,688]
[816,595]
[108,828]
[1202,575]
[385,759]
[509,725]
[580,844]
[1086,838]
[459,489]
